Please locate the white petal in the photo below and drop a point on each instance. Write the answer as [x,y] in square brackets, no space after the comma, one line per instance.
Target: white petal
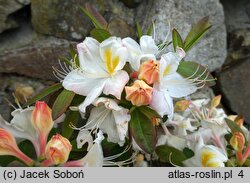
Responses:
[134,52]
[178,86]
[162,103]
[148,45]
[84,136]
[116,84]
[89,56]
[93,94]
[117,50]
[122,118]
[108,102]
[81,84]
[168,64]
[94,157]
[21,126]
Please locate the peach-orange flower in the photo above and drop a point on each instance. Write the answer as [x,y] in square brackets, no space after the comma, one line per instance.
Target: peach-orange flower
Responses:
[149,72]
[139,93]
[58,149]
[8,146]
[42,122]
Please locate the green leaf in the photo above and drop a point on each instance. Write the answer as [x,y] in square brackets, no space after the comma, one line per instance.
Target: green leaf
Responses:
[100,34]
[197,71]
[150,29]
[196,33]
[168,154]
[143,131]
[44,93]
[5,160]
[66,60]
[72,117]
[96,18]
[62,103]
[177,40]
[139,30]
[150,113]
[188,152]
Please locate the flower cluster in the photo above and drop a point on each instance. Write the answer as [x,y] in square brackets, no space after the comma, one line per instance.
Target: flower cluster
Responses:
[122,102]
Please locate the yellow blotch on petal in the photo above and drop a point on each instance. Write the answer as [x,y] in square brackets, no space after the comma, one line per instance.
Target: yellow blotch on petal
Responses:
[206,156]
[167,70]
[111,63]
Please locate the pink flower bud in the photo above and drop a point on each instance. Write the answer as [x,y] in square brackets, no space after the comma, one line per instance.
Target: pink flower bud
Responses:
[42,122]
[8,146]
[58,149]
[149,72]
[139,93]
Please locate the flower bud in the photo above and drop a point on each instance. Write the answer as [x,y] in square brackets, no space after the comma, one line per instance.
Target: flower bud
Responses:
[58,149]
[238,141]
[149,72]
[181,105]
[139,93]
[216,101]
[42,122]
[8,146]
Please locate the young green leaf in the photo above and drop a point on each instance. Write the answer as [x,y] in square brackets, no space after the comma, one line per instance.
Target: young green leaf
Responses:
[196,33]
[100,34]
[139,30]
[62,103]
[96,18]
[150,29]
[195,71]
[143,131]
[44,93]
[176,39]
[150,113]
[168,154]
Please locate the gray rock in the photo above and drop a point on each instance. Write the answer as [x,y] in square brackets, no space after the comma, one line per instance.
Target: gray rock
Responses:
[65,20]
[237,14]
[235,85]
[180,14]
[27,53]
[7,8]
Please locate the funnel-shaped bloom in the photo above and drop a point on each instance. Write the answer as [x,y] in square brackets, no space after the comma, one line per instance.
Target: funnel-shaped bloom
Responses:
[170,85]
[110,119]
[42,121]
[139,93]
[8,146]
[58,149]
[100,70]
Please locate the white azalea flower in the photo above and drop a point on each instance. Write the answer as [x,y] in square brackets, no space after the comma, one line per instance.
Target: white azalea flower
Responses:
[206,156]
[21,127]
[147,49]
[100,70]
[109,118]
[181,125]
[171,85]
